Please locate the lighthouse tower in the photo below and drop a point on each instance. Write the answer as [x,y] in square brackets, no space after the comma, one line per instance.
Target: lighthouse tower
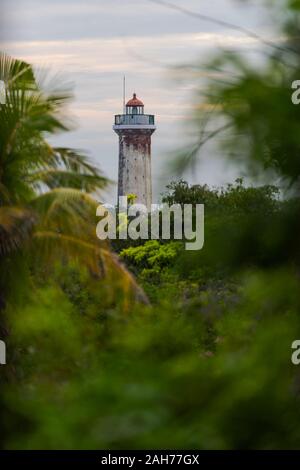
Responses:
[134,129]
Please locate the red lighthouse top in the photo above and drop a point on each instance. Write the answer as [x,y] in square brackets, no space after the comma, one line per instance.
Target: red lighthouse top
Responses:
[134,101]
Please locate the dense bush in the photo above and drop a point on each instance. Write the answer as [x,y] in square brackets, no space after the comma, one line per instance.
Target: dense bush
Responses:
[215,372]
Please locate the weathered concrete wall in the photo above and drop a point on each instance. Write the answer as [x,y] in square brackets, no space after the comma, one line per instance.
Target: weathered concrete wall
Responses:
[135,164]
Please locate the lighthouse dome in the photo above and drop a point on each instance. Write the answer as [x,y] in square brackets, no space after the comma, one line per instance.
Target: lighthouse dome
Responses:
[134,101]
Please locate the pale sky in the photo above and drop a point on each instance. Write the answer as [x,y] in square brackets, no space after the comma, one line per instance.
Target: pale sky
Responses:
[95,42]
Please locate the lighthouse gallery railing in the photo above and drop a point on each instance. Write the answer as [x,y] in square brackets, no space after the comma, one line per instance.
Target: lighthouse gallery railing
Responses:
[134,119]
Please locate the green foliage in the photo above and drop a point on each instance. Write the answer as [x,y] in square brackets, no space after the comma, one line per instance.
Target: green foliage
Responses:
[180,192]
[218,379]
[131,198]
[152,254]
[234,198]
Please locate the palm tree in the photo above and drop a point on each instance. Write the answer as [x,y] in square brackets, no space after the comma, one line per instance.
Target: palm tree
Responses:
[46,205]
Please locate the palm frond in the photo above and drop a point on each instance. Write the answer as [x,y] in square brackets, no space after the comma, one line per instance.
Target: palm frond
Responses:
[74,160]
[54,206]
[15,227]
[14,72]
[53,178]
[52,245]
